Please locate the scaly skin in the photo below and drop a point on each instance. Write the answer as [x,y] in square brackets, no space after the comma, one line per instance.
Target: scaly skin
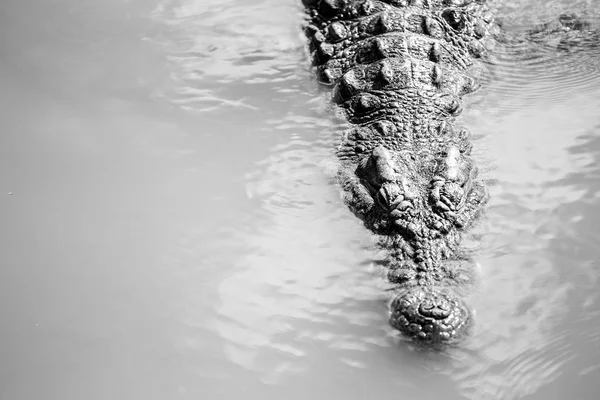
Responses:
[399,69]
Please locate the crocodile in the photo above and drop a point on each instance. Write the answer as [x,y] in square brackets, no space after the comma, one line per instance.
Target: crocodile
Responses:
[398,71]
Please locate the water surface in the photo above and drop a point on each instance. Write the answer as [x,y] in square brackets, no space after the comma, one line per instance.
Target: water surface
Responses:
[170,228]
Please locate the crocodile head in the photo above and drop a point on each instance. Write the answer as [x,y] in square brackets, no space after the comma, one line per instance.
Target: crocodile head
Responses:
[429,315]
[421,201]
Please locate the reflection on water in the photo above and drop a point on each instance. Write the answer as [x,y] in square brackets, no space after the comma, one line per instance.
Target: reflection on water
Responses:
[172,230]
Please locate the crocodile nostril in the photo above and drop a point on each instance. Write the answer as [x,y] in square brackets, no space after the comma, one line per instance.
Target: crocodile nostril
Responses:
[435,310]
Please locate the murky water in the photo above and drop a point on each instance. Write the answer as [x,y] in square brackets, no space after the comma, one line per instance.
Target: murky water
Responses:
[170,230]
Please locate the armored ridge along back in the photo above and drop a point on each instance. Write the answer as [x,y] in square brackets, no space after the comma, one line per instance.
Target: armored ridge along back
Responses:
[399,69]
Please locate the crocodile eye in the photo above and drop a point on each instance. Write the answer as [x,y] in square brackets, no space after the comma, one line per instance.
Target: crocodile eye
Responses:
[381,197]
[454,18]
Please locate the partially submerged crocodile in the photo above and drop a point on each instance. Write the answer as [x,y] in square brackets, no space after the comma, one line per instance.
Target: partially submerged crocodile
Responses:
[399,69]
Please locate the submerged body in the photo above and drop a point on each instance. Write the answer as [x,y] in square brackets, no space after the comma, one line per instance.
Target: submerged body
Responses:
[399,69]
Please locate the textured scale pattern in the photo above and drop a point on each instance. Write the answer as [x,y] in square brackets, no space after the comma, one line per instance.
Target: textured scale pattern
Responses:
[398,71]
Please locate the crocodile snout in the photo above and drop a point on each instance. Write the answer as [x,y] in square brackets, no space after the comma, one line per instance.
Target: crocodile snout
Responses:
[429,315]
[436,309]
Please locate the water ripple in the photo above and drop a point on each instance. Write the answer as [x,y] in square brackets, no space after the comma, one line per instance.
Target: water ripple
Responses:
[294,289]
[530,74]
[223,52]
[300,302]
